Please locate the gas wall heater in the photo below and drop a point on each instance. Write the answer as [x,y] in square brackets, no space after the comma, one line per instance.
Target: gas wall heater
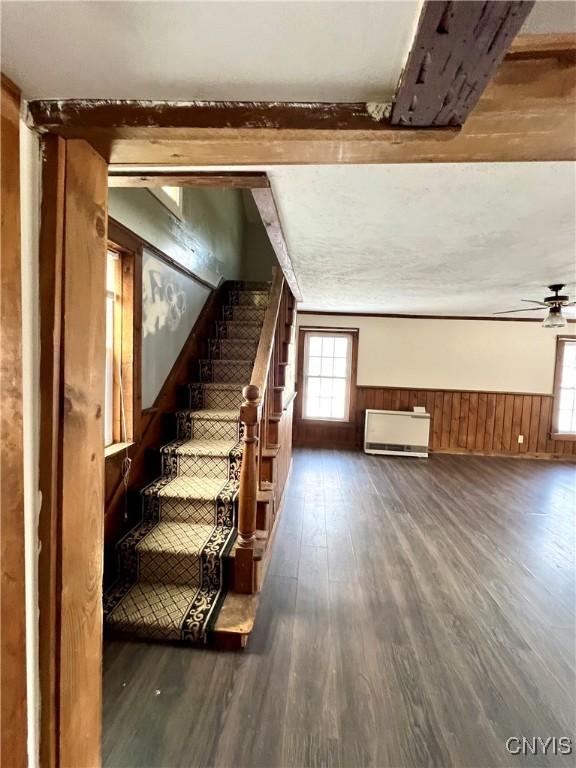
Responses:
[397,433]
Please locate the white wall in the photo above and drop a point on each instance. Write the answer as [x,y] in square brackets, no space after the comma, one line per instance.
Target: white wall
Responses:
[30,181]
[480,355]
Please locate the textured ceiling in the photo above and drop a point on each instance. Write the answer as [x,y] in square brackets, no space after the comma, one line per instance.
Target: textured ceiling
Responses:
[551,16]
[272,51]
[441,239]
[451,239]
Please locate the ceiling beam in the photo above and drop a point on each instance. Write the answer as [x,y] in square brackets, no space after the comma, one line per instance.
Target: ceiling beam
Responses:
[526,113]
[192,179]
[543,44]
[68,116]
[457,48]
[266,205]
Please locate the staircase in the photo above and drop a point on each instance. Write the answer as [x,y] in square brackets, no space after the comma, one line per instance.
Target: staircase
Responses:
[171,565]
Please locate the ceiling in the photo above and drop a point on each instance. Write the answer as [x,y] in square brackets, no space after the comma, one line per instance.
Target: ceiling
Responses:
[442,239]
[464,239]
[270,51]
[457,239]
[551,16]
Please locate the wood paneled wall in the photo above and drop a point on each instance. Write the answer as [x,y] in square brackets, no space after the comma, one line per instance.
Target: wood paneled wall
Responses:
[462,422]
[284,458]
[328,434]
[485,422]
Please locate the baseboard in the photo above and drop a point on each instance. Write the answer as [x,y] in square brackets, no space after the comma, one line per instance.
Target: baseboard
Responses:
[494,454]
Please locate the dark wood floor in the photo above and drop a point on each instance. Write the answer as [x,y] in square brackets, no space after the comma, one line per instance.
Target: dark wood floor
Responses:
[416,613]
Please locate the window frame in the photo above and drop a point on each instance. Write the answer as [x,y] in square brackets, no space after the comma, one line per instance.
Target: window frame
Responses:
[561,342]
[168,201]
[127,337]
[117,346]
[304,333]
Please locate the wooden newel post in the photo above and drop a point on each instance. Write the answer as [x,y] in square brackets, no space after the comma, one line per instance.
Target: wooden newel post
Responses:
[248,494]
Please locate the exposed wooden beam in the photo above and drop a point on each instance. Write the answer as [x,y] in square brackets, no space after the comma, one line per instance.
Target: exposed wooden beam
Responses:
[266,204]
[227,180]
[532,45]
[457,49]
[526,113]
[67,117]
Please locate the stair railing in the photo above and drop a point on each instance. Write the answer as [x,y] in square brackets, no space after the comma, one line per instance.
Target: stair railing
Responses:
[254,412]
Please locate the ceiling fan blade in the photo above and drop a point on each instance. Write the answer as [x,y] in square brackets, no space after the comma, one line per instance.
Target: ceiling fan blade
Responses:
[531,301]
[570,304]
[525,309]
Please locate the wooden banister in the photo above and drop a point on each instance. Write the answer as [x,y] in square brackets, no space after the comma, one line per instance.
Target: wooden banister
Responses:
[250,417]
[266,343]
[254,413]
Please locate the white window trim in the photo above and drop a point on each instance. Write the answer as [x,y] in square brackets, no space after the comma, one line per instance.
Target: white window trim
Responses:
[161,195]
[347,378]
[109,395]
[562,341]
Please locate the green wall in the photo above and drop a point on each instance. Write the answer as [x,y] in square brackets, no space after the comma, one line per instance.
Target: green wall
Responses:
[213,240]
[208,242]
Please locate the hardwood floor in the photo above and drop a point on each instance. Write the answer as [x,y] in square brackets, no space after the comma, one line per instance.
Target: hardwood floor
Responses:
[415,613]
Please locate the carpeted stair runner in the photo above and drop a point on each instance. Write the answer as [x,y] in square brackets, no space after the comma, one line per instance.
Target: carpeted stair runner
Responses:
[170,584]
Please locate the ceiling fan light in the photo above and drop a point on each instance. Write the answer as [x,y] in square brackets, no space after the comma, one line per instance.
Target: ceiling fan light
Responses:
[554,318]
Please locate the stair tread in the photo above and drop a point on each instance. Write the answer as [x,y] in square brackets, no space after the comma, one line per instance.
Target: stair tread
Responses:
[237,614]
[213,414]
[228,361]
[157,611]
[176,537]
[184,487]
[201,447]
[251,323]
[220,385]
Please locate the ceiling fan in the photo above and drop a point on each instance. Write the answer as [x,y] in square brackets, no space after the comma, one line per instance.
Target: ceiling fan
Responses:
[554,304]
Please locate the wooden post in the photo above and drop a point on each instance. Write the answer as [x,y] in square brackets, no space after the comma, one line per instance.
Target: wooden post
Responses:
[13,720]
[248,495]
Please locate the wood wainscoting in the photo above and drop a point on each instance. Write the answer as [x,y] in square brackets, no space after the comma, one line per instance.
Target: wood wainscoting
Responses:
[284,458]
[462,422]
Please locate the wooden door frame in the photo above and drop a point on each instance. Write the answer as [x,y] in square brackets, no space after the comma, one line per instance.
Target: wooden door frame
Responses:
[13,711]
[73,246]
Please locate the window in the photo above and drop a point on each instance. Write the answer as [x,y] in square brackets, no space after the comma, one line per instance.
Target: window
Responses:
[327,367]
[118,377]
[171,197]
[564,421]
[112,298]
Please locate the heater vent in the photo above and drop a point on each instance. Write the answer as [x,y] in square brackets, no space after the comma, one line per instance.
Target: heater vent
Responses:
[397,433]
